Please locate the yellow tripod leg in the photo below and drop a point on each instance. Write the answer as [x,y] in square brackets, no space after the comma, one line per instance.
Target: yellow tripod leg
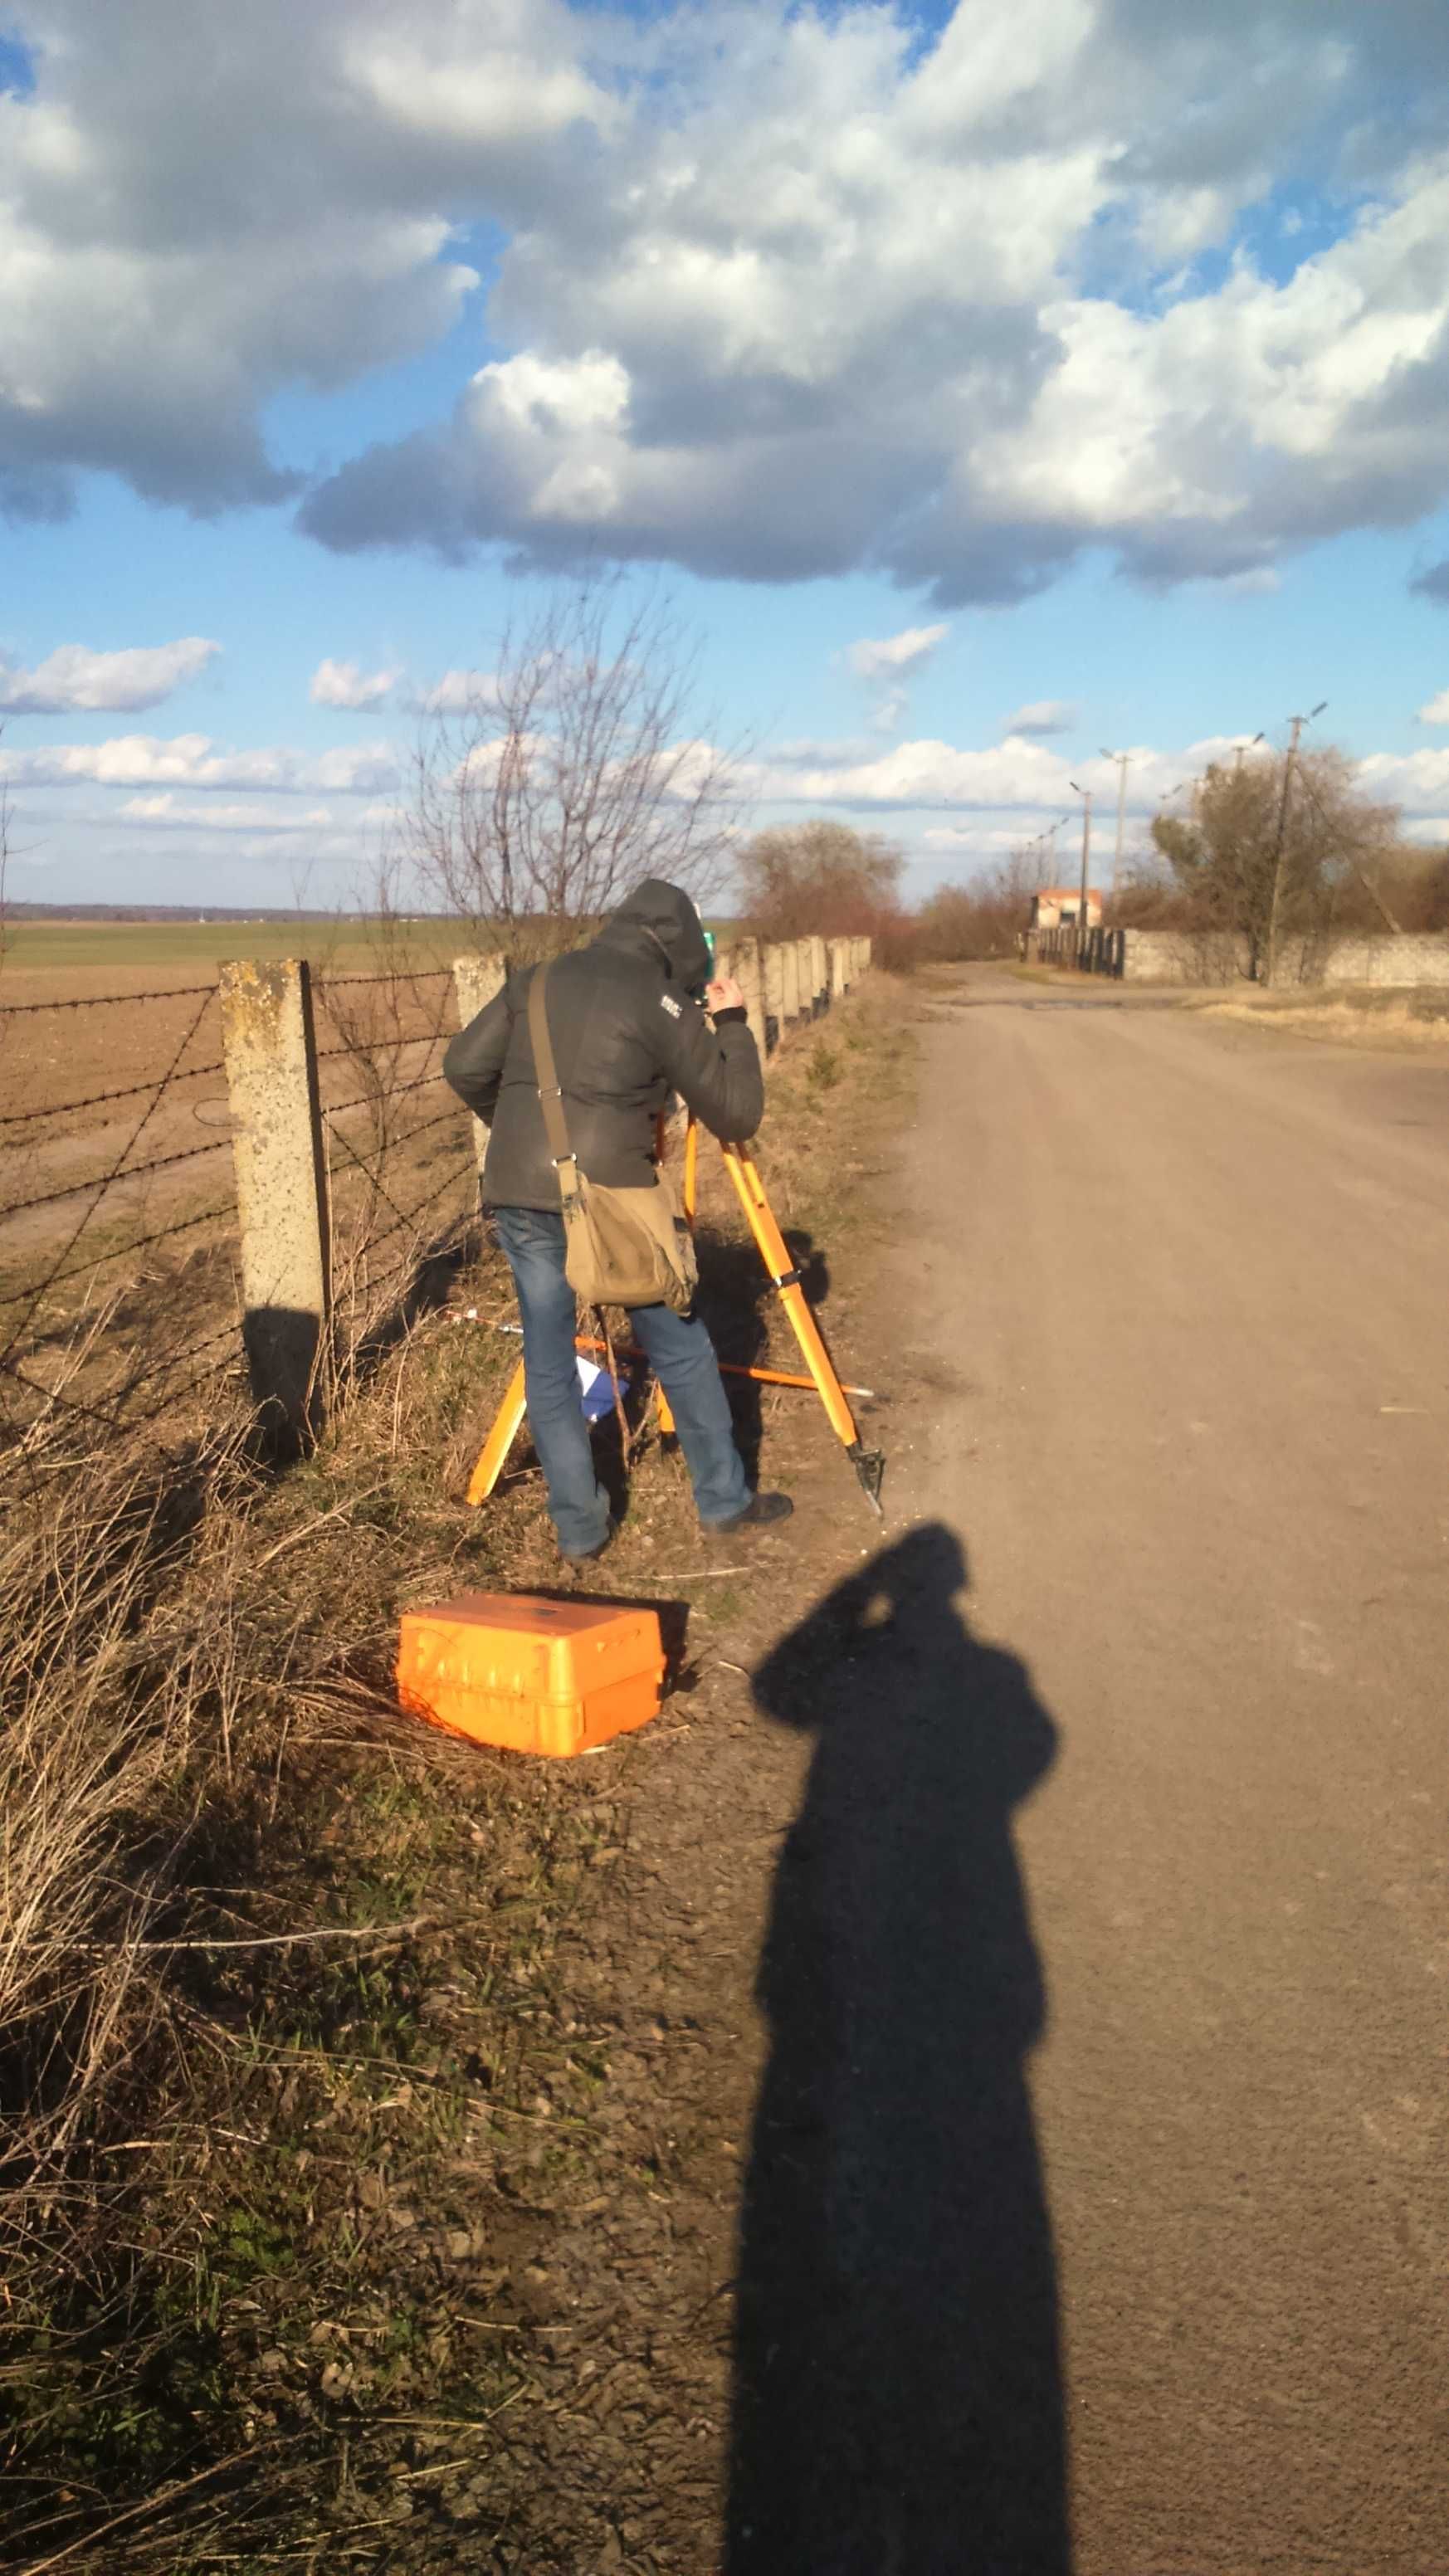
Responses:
[785,1278]
[507,1424]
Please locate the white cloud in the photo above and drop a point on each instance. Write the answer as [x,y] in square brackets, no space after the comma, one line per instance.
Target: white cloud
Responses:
[783,292]
[890,656]
[171,813]
[1436,712]
[457,693]
[74,680]
[346,684]
[192,760]
[1043,716]
[889,662]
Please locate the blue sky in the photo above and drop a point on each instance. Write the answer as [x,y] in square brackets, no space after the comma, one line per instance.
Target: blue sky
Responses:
[1044,361]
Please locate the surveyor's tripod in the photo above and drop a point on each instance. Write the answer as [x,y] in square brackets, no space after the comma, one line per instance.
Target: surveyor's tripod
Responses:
[784,1278]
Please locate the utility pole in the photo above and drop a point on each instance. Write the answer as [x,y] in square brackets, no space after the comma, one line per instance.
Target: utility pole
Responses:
[1242,751]
[1123,760]
[1296,724]
[1085,794]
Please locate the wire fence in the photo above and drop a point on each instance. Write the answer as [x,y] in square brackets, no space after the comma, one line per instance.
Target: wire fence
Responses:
[121,1258]
[119,1249]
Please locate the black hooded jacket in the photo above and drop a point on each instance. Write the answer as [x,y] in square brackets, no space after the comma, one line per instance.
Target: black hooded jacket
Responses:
[625,1034]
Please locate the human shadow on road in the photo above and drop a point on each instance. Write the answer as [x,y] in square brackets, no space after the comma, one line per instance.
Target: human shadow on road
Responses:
[898,2395]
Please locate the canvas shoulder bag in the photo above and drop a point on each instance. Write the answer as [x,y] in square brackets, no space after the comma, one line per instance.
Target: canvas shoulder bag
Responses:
[622,1247]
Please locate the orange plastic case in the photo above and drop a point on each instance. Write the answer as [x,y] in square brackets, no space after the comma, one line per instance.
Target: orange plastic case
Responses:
[554,1677]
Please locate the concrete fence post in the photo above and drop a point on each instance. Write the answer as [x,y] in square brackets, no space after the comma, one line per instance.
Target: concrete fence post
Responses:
[820,972]
[749,974]
[475,981]
[806,948]
[839,968]
[281,1189]
[772,966]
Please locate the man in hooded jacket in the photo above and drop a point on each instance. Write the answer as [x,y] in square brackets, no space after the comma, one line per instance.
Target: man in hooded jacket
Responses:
[629,1028]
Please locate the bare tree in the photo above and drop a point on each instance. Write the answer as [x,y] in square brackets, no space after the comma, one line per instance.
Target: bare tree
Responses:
[821,875]
[1318,844]
[572,770]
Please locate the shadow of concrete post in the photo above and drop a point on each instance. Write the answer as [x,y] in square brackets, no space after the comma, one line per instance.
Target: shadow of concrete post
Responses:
[281,1188]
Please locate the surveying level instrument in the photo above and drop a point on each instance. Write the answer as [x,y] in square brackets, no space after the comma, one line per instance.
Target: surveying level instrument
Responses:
[784,1278]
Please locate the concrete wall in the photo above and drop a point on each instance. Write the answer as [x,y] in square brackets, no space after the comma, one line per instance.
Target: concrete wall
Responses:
[1187,957]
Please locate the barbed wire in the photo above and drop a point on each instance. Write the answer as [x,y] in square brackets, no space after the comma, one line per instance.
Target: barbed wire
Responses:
[122,1251]
[394,1144]
[325,984]
[368,1175]
[175,1359]
[394,1091]
[101,1182]
[364,1046]
[462,1171]
[96,1099]
[103,1001]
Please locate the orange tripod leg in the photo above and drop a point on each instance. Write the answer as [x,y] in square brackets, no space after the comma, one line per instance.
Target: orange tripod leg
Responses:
[507,1425]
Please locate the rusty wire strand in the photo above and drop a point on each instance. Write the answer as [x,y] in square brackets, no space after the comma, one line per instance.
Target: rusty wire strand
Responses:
[98,1260]
[325,984]
[173,1359]
[395,1091]
[461,1171]
[100,1001]
[103,1181]
[361,1046]
[131,1091]
[106,1179]
[393,1143]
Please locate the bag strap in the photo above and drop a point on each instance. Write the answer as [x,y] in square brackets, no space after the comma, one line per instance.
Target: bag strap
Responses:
[550,1098]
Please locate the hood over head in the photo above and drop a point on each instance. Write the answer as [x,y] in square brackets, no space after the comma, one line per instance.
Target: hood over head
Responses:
[659,916]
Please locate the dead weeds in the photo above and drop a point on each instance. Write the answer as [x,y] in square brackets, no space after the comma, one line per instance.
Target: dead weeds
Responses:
[317,2085]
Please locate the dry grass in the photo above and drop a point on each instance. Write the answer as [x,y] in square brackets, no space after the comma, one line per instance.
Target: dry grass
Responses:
[234,1884]
[1412,1020]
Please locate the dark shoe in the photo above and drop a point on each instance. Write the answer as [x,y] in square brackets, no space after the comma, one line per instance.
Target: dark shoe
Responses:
[759,1512]
[589,1555]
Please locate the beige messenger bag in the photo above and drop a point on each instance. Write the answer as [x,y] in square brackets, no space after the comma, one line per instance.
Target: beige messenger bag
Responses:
[622,1247]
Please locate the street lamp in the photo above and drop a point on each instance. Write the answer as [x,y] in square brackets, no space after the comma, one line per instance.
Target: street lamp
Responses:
[1085,794]
[1123,760]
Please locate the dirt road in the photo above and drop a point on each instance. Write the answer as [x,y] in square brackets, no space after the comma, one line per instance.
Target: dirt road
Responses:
[1012,1990]
[1184,1288]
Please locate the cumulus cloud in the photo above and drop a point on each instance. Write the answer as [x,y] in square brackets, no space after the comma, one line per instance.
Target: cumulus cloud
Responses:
[346,684]
[888,657]
[192,760]
[167,812]
[457,693]
[889,662]
[73,679]
[1436,712]
[838,297]
[1043,716]
[783,292]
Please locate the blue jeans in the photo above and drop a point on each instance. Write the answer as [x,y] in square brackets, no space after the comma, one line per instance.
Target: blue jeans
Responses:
[680,1353]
